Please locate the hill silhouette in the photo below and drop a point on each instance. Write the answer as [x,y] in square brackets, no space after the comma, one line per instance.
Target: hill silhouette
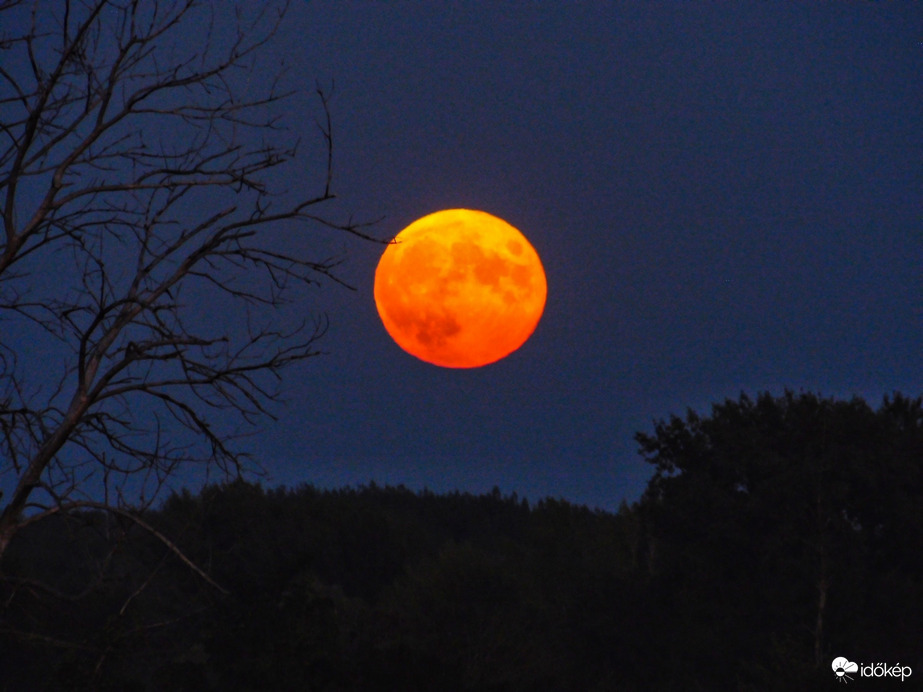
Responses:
[775,535]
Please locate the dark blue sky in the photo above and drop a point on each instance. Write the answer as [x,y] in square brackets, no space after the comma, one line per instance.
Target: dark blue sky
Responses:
[726,197]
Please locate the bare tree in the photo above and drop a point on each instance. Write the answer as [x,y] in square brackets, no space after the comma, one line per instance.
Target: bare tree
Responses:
[140,171]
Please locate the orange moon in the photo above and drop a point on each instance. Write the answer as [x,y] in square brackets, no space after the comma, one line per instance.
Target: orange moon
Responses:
[460,288]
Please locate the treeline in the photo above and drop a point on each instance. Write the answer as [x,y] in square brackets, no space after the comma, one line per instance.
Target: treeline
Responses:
[775,535]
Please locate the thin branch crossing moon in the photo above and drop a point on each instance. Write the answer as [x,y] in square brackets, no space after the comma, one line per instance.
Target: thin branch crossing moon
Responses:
[460,288]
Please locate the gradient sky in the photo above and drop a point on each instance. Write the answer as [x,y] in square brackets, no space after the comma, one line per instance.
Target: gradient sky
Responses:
[727,197]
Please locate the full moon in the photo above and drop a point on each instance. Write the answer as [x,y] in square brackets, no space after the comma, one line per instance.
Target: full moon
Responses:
[460,288]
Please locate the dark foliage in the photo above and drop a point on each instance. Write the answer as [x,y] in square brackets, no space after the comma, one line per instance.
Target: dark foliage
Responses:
[775,534]
[783,532]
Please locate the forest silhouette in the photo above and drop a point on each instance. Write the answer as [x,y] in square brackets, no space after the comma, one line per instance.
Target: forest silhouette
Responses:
[776,534]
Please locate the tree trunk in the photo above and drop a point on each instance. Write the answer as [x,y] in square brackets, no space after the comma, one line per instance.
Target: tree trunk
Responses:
[819,622]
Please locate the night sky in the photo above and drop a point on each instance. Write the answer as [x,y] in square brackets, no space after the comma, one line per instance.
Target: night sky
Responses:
[726,197]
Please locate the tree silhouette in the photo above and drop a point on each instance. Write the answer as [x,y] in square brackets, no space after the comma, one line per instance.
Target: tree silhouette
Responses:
[148,243]
[712,581]
[780,531]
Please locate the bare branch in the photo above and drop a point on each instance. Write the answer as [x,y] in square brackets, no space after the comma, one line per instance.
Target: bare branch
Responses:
[135,518]
[147,183]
